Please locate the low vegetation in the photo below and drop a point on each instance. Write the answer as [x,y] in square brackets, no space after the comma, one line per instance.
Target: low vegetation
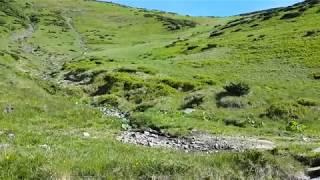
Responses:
[63,65]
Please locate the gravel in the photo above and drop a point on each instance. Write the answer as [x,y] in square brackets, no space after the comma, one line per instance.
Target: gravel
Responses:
[197,142]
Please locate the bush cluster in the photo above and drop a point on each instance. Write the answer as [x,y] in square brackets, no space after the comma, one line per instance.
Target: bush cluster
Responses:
[291,15]
[284,111]
[307,102]
[172,24]
[184,86]
[237,89]
[193,101]
[2,22]
[294,126]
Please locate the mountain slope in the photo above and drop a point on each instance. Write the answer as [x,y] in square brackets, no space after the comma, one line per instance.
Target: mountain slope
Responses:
[62,61]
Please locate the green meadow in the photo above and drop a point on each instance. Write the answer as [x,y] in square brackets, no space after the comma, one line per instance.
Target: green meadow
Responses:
[252,75]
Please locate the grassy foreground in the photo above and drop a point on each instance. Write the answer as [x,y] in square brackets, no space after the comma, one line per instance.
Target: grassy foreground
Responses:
[60,59]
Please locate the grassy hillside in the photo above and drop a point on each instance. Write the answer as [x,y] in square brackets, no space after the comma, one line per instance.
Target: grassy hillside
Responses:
[255,74]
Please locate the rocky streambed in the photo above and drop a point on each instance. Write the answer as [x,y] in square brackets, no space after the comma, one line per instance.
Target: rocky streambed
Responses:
[196,142]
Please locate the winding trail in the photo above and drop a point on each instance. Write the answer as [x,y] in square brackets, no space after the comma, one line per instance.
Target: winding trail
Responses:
[79,38]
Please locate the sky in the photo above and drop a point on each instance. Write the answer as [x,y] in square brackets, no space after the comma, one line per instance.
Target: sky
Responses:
[207,7]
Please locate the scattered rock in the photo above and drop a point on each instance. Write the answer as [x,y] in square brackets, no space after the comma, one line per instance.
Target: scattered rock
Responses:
[317,150]
[4,146]
[11,135]
[86,134]
[197,142]
[45,146]
[114,113]
[188,111]
[305,139]
[8,109]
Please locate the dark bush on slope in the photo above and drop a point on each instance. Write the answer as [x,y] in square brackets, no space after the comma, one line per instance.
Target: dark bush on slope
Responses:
[216,33]
[193,101]
[2,22]
[172,24]
[284,111]
[237,89]
[291,15]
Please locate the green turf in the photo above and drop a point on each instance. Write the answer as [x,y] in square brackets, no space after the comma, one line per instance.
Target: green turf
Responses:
[150,64]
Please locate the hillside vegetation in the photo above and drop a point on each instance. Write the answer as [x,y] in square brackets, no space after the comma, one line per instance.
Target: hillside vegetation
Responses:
[252,75]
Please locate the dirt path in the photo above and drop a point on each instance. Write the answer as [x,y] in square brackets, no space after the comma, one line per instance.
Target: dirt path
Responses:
[21,36]
[79,38]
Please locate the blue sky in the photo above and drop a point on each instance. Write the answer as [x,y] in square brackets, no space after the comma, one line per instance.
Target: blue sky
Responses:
[207,7]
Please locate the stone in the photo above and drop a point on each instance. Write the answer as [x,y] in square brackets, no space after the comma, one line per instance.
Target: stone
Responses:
[11,135]
[199,142]
[305,139]
[125,126]
[317,150]
[86,134]
[8,109]
[188,111]
[4,146]
[44,146]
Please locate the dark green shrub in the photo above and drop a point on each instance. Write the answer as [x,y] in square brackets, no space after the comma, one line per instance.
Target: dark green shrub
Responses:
[294,126]
[284,111]
[15,56]
[254,25]
[146,70]
[312,2]
[237,89]
[110,100]
[126,70]
[34,19]
[310,33]
[235,122]
[209,46]
[268,15]
[190,48]
[172,24]
[237,30]
[216,33]
[143,121]
[291,15]
[193,101]
[106,88]
[256,163]
[179,85]
[316,75]
[307,102]
[144,106]
[2,22]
